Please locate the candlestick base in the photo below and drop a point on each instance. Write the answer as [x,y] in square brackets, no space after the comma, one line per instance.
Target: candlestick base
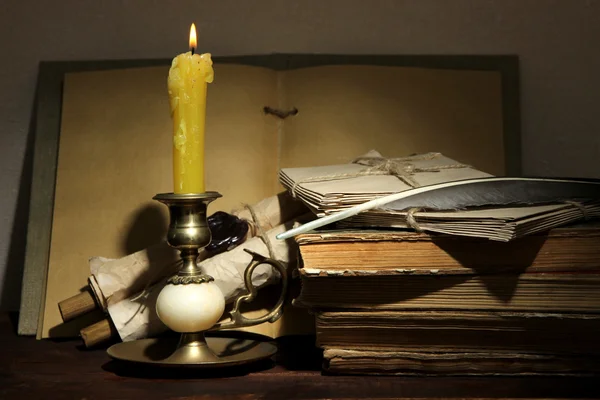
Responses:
[191,303]
[212,352]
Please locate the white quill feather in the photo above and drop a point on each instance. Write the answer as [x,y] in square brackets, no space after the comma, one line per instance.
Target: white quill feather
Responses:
[498,191]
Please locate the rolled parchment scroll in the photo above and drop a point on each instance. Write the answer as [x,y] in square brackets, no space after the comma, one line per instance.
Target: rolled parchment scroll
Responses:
[114,280]
[135,318]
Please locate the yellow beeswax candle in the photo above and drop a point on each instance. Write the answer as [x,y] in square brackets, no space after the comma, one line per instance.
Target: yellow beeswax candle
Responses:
[188,78]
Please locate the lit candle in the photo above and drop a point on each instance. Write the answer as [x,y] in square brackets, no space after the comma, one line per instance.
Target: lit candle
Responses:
[188,77]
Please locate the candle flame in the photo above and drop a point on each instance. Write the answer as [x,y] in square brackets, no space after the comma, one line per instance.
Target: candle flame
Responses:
[193,41]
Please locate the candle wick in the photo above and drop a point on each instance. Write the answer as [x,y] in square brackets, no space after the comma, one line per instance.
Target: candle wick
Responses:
[193,49]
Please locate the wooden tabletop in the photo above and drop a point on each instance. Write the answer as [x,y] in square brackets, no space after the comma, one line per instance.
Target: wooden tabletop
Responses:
[31,369]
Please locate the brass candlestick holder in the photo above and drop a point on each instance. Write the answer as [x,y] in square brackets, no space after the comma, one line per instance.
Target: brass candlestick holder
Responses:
[191,303]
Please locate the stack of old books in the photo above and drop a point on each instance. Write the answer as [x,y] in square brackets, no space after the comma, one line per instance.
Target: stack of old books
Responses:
[493,278]
[409,303]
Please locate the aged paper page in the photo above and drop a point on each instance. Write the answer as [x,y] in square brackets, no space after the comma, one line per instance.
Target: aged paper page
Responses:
[345,111]
[116,154]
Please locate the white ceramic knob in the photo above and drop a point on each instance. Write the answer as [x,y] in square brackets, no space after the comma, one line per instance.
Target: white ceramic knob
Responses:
[191,307]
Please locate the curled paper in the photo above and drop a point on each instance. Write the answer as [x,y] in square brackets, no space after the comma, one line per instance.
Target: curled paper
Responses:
[113,280]
[135,317]
[271,212]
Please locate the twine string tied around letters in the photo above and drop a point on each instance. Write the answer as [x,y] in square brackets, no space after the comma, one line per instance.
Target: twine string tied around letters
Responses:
[402,168]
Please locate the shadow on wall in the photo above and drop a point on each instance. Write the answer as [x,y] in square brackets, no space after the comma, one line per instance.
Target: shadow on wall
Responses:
[147,226]
[11,288]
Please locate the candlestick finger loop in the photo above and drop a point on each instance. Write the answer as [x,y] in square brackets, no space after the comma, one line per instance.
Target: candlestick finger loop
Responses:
[237,319]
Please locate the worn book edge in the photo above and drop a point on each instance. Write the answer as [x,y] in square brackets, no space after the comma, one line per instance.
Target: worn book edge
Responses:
[466,362]
[377,235]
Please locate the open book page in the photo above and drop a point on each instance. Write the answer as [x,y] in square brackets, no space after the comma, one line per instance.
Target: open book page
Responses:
[344,111]
[241,141]
[116,154]
[116,144]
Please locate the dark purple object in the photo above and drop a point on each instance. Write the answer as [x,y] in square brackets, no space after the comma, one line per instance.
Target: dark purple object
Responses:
[228,231]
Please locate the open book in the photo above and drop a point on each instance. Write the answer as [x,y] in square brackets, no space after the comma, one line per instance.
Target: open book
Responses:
[115,149]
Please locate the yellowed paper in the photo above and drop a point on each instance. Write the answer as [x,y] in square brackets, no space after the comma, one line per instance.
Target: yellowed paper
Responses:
[271,212]
[346,110]
[114,280]
[500,224]
[324,195]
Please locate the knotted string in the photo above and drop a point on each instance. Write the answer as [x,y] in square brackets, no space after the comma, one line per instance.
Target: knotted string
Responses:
[402,168]
[411,221]
[581,207]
